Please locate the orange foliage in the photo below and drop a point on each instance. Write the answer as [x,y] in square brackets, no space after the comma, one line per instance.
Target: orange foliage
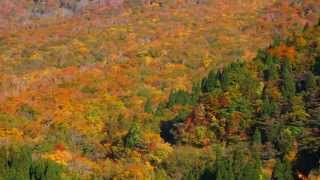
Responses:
[80,71]
[284,51]
[59,156]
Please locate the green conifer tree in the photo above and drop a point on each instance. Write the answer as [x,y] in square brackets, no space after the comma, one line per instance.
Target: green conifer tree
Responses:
[257,137]
[288,82]
[310,82]
[160,109]
[222,167]
[211,82]
[148,106]
[250,172]
[133,136]
[45,170]
[238,162]
[196,91]
[17,163]
[269,107]
[282,170]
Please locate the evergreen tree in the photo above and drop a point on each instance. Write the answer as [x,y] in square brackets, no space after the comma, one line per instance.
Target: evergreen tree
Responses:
[268,59]
[225,79]
[253,167]
[221,169]
[179,97]
[211,82]
[271,73]
[257,137]
[276,41]
[160,109]
[310,82]
[257,162]
[270,68]
[133,136]
[277,173]
[172,99]
[182,97]
[196,91]
[288,82]
[269,107]
[221,172]
[17,163]
[224,167]
[44,170]
[282,170]
[148,106]
[237,75]
[250,172]
[287,169]
[204,83]
[229,169]
[238,162]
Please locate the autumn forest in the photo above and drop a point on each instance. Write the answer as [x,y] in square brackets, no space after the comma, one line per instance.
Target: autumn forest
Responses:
[159,89]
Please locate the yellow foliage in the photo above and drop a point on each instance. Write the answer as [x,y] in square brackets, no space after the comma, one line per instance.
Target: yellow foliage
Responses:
[14,132]
[36,56]
[159,150]
[136,171]
[301,42]
[59,156]
[135,156]
[80,47]
[148,60]
[206,62]
[113,101]
[180,83]
[153,5]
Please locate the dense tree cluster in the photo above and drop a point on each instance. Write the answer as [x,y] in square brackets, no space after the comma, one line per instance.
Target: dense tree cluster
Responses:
[270,102]
[161,89]
[18,163]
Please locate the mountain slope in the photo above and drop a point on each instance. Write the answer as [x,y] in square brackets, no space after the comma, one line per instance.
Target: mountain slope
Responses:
[92,92]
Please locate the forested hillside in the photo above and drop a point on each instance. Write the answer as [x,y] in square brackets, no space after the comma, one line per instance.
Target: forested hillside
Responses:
[261,117]
[185,89]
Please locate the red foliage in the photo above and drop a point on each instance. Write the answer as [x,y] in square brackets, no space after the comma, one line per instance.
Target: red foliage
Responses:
[59,147]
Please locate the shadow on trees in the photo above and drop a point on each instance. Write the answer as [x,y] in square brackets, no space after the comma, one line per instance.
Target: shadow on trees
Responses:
[306,161]
[166,128]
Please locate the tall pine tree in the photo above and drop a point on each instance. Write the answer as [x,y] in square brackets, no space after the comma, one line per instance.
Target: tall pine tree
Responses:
[288,87]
